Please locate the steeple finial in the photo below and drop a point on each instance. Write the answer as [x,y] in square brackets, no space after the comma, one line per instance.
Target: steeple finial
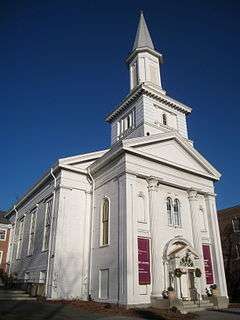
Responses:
[143,38]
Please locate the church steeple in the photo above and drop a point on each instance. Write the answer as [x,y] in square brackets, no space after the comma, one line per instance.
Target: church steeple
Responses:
[144,61]
[146,110]
[143,38]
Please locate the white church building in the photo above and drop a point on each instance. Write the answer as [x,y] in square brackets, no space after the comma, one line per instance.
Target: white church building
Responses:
[128,224]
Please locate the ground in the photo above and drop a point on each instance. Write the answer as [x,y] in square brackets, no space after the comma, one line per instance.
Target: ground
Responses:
[29,310]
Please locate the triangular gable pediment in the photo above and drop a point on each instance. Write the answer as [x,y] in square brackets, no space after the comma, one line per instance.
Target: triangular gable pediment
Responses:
[173,150]
[82,161]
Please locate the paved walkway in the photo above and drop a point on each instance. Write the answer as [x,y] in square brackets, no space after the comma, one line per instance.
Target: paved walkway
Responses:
[26,310]
[217,315]
[21,310]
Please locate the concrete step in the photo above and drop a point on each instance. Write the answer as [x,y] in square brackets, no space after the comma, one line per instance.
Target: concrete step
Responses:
[12,291]
[195,307]
[15,295]
[17,298]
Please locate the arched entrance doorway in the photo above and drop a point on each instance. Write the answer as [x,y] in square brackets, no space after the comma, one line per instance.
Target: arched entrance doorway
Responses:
[180,264]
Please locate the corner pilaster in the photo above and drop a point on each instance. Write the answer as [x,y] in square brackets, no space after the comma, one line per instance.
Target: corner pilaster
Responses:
[218,264]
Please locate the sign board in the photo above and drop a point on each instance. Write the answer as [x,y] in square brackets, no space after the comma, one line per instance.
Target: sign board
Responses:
[143,261]
[208,264]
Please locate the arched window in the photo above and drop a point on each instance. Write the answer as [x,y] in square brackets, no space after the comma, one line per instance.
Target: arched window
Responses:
[105,221]
[164,119]
[169,211]
[176,213]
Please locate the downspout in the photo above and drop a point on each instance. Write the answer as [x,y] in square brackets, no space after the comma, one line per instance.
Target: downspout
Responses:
[91,237]
[13,241]
[47,286]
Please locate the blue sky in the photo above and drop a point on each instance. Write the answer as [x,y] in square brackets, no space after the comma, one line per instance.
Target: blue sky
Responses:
[62,70]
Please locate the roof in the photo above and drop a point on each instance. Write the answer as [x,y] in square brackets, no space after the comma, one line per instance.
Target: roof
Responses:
[149,91]
[230,209]
[60,164]
[3,220]
[143,38]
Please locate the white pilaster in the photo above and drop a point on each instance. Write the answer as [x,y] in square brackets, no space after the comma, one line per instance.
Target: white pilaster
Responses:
[217,257]
[197,241]
[155,222]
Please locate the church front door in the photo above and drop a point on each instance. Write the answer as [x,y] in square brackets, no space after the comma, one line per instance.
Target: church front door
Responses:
[192,289]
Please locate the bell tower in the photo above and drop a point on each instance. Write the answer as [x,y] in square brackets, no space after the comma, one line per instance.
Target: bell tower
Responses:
[144,61]
[147,109]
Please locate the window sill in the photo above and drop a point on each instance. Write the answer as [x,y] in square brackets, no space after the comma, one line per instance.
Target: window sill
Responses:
[104,245]
[175,226]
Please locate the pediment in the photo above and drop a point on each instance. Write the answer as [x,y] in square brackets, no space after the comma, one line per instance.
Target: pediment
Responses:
[173,150]
[82,161]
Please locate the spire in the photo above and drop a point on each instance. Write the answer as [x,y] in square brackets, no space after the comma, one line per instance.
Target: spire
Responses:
[143,38]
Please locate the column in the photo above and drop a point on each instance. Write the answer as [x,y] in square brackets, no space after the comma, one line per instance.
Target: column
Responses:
[197,241]
[156,258]
[192,196]
[217,257]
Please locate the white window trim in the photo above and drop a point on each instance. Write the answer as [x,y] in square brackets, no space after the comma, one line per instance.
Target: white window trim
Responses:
[170,224]
[172,214]
[5,235]
[20,243]
[122,129]
[101,245]
[100,282]
[179,214]
[142,195]
[50,198]
[33,212]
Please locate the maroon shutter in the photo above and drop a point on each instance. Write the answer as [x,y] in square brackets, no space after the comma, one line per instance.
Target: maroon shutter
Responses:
[208,264]
[143,261]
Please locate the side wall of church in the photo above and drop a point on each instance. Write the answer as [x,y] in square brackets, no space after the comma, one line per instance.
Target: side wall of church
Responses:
[108,268]
[69,269]
[25,264]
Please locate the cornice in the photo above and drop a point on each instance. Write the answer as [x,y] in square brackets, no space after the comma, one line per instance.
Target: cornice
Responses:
[144,89]
[144,49]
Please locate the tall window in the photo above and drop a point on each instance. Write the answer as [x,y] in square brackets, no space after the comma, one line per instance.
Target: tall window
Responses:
[169,211]
[176,213]
[105,222]
[126,124]
[173,212]
[164,119]
[32,232]
[47,227]
[20,230]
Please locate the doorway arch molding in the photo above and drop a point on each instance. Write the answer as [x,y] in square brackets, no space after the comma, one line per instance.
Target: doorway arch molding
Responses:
[176,240]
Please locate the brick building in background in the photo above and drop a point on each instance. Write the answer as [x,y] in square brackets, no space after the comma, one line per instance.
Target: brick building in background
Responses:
[5,229]
[229,225]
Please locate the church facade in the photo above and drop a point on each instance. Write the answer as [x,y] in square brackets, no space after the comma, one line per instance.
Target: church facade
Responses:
[128,224]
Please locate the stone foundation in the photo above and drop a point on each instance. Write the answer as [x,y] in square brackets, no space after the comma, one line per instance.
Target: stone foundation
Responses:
[219,302]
